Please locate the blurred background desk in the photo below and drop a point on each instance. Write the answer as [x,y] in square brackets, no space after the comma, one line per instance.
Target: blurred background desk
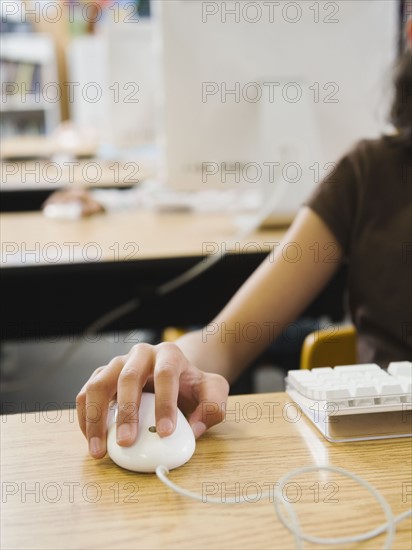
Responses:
[26,184]
[60,276]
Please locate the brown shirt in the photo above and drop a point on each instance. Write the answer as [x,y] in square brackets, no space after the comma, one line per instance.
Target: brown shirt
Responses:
[367,204]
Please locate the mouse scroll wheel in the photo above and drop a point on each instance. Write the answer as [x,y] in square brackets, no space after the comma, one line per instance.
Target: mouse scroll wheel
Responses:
[152,429]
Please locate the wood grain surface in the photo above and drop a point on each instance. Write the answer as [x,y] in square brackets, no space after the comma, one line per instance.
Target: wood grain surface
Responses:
[54,496]
[123,235]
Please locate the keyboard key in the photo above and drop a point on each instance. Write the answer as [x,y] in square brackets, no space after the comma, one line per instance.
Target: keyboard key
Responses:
[401,369]
[354,386]
[390,393]
[338,396]
[364,396]
[365,367]
[353,391]
[322,370]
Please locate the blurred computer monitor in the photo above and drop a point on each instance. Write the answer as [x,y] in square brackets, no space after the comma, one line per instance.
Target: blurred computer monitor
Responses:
[257,91]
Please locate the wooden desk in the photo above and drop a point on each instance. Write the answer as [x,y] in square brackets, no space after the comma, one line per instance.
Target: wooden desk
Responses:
[56,496]
[25,185]
[61,287]
[50,175]
[117,257]
[126,235]
[42,147]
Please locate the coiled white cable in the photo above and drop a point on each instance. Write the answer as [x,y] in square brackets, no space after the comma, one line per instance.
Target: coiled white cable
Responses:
[293,523]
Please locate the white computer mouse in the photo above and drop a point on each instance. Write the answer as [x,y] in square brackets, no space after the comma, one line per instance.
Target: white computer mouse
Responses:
[150,450]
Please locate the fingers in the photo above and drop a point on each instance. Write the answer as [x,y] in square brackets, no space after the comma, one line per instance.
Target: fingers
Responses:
[211,392]
[166,370]
[81,402]
[132,378]
[93,403]
[170,362]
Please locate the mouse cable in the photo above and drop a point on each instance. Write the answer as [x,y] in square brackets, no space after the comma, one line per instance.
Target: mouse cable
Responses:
[291,522]
[91,330]
[160,291]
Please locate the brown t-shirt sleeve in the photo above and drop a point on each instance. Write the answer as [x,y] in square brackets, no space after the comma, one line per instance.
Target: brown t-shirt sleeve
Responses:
[335,201]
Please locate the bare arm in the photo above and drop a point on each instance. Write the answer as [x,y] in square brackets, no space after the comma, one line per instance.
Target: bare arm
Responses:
[274,296]
[194,370]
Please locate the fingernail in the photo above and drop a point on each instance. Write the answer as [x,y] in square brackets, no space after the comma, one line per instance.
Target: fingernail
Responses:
[164,426]
[124,432]
[198,429]
[95,446]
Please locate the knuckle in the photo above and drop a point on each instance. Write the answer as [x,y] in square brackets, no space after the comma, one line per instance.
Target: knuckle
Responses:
[96,371]
[171,355]
[97,385]
[170,348]
[165,369]
[221,380]
[135,348]
[141,346]
[129,375]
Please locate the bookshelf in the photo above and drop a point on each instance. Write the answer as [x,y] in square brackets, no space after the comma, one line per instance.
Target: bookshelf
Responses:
[30,89]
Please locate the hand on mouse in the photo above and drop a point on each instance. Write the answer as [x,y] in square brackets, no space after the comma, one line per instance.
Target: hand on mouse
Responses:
[89,205]
[163,368]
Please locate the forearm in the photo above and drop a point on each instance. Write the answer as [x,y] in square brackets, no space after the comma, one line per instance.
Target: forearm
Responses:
[272,298]
[207,353]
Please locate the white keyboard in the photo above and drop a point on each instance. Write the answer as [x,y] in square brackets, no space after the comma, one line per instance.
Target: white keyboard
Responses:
[328,395]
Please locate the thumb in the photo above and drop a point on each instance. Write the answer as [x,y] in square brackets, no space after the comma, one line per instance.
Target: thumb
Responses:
[211,393]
